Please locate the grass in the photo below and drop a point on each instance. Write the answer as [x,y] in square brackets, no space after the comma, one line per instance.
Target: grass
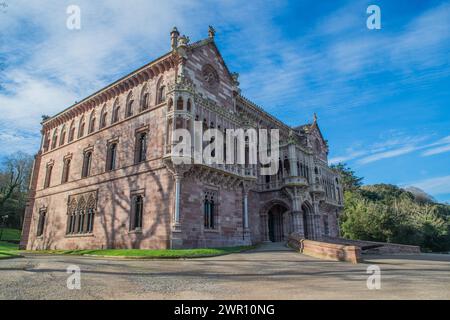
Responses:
[10,234]
[149,254]
[8,250]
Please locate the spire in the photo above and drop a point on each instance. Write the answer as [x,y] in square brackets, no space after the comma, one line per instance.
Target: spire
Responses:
[174,34]
[211,32]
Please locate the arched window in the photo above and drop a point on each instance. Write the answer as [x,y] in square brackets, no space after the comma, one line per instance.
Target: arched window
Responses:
[145,98]
[162,94]
[188,105]
[170,105]
[41,222]
[137,207]
[71,216]
[180,103]
[116,110]
[81,216]
[87,159]
[48,176]
[66,171]
[287,166]
[209,210]
[141,147]
[62,139]
[81,127]
[71,131]
[54,139]
[103,118]
[130,103]
[46,142]
[90,212]
[92,122]
[111,156]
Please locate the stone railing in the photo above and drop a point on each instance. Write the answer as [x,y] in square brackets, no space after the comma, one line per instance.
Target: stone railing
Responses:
[325,250]
[372,247]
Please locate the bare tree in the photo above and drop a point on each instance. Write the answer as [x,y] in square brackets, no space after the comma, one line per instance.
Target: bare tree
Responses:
[14,176]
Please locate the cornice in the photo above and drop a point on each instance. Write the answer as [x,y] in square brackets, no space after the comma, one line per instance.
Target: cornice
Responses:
[149,71]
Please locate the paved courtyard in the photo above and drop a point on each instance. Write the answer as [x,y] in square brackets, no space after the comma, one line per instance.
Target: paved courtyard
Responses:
[269,272]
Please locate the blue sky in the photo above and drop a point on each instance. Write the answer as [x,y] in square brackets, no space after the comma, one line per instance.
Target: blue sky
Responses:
[382,96]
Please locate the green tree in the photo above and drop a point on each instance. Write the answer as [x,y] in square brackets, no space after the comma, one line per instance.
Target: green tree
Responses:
[349,180]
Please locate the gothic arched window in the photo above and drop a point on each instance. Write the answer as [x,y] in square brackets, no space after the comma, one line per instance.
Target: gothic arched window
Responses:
[54,139]
[81,127]
[92,122]
[130,103]
[137,207]
[62,138]
[87,159]
[71,131]
[66,171]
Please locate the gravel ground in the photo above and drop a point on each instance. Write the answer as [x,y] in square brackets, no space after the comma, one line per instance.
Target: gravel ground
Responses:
[270,272]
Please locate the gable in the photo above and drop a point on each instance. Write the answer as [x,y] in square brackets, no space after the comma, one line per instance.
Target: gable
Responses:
[206,68]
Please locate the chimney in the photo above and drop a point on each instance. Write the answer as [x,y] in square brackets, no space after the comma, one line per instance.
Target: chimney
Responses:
[174,38]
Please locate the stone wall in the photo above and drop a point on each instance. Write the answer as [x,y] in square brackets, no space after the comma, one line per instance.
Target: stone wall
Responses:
[325,250]
[385,248]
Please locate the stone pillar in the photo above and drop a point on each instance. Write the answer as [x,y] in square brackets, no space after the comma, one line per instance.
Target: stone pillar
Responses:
[177,199]
[245,210]
[293,160]
[315,221]
[246,186]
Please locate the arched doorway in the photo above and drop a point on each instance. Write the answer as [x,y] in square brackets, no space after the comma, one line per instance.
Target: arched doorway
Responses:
[276,223]
[307,220]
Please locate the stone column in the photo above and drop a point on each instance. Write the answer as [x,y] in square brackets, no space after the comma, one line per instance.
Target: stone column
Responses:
[246,186]
[315,220]
[293,160]
[297,214]
[245,210]
[177,199]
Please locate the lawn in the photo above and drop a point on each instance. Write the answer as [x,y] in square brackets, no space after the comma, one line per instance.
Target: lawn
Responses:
[10,234]
[151,254]
[8,250]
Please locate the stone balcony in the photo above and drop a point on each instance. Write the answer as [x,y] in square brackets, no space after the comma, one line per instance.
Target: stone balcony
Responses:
[295,181]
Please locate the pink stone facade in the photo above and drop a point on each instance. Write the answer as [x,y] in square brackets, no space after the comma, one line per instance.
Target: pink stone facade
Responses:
[190,205]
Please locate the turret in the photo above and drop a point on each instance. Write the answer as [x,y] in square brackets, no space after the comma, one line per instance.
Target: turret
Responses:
[174,38]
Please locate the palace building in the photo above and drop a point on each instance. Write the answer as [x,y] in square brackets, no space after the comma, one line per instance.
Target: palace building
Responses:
[104,176]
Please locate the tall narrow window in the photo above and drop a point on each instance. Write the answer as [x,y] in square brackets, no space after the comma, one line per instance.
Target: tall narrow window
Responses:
[111,157]
[136,214]
[48,176]
[115,117]
[103,117]
[141,147]
[90,212]
[130,105]
[162,94]
[87,159]
[145,100]
[41,223]
[92,123]
[71,132]
[66,171]
[180,103]
[188,105]
[71,215]
[81,128]
[209,211]
[54,139]
[62,139]
[46,142]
